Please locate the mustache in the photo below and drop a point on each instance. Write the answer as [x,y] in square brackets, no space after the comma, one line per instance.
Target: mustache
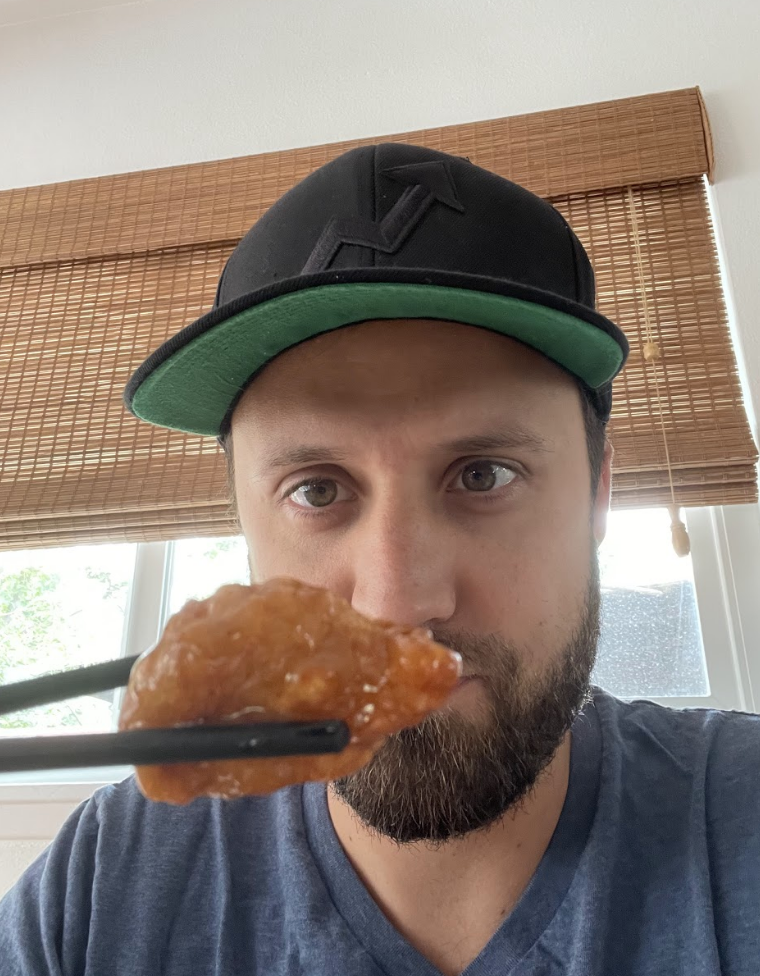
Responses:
[481,654]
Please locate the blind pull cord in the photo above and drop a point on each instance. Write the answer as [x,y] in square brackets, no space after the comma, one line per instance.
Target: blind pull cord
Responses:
[652,355]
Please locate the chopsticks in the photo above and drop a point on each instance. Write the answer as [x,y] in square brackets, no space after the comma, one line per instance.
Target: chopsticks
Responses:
[65,684]
[196,743]
[137,747]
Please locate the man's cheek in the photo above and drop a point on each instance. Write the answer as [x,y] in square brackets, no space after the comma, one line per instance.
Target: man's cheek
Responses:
[280,553]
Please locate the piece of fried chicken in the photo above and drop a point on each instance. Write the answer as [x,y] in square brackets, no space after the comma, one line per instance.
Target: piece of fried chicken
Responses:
[281,650]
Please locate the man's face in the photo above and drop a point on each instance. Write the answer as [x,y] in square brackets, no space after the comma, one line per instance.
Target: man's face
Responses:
[436,474]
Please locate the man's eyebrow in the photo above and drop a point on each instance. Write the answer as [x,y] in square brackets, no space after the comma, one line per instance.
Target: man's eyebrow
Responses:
[498,440]
[303,454]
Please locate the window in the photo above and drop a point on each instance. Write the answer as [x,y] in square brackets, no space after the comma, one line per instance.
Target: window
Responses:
[679,631]
[60,609]
[651,642]
[201,566]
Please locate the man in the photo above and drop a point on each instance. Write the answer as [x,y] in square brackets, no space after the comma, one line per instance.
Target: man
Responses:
[410,380]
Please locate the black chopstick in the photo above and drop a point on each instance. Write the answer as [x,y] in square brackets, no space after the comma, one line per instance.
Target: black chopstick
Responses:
[139,747]
[65,684]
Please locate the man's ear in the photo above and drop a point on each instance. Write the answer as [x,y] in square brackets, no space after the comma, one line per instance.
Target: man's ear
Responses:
[603,492]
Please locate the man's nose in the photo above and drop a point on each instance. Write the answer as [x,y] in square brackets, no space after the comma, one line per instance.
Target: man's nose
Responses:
[403,567]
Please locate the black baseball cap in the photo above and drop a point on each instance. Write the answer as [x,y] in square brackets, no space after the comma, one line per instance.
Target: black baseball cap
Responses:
[389,231]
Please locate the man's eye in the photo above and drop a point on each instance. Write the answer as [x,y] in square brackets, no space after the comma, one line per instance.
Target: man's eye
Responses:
[485,476]
[316,494]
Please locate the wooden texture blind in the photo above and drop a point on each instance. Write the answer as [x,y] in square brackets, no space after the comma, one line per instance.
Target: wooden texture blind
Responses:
[95,274]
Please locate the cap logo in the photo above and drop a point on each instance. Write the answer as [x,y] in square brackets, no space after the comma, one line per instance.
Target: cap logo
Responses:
[425,183]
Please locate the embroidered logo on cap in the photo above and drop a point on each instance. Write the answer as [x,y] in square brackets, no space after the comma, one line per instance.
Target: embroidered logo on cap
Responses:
[425,183]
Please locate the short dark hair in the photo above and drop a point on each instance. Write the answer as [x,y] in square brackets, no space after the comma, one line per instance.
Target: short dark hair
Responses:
[596,439]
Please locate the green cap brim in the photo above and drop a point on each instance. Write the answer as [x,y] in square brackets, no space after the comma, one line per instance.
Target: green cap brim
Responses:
[193,389]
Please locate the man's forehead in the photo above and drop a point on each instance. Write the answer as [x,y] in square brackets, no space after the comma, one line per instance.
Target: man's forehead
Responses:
[395,364]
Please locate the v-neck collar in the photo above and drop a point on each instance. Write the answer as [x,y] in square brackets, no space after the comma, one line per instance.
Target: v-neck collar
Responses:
[534,910]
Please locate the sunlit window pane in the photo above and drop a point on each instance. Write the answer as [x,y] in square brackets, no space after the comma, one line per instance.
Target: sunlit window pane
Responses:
[201,566]
[651,644]
[59,609]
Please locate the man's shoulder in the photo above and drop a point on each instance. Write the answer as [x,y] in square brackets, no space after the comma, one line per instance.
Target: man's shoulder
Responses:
[119,805]
[120,823]
[118,827]
[111,891]
[718,746]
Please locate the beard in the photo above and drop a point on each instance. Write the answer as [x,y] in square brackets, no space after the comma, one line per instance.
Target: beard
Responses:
[449,775]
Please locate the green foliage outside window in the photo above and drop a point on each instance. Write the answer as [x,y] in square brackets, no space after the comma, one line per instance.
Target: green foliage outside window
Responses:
[40,632]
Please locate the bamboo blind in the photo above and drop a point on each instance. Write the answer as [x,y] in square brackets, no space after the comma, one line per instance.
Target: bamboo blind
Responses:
[95,274]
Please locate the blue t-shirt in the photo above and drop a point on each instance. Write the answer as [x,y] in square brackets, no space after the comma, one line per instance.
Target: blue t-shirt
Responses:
[654,868]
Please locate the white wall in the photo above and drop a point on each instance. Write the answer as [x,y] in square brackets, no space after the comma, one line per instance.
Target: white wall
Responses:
[15,855]
[161,82]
